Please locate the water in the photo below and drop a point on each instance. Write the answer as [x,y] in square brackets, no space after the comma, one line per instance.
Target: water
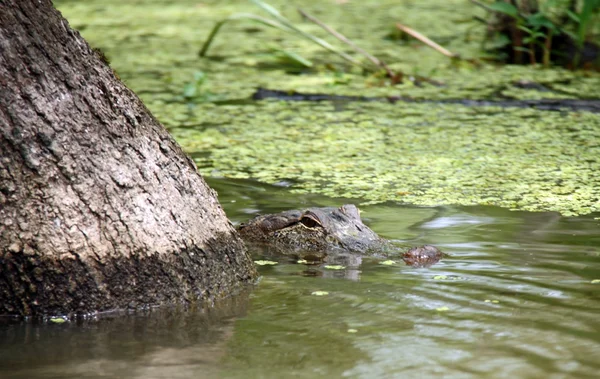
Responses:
[514,299]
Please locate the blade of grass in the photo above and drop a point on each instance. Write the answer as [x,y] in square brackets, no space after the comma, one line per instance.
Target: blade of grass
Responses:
[377,62]
[239,16]
[326,45]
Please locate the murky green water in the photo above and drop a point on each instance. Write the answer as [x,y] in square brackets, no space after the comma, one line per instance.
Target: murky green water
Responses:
[428,154]
[514,299]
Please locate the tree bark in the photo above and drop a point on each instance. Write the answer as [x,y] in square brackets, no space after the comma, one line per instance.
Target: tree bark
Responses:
[99,206]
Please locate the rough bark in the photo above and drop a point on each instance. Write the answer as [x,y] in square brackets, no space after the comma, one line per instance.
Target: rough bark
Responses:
[99,207]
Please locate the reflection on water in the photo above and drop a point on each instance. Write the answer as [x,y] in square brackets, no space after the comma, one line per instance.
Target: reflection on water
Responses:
[515,298]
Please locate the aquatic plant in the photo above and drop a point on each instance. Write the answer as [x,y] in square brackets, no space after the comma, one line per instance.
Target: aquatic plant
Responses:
[552,31]
[195,91]
[282,23]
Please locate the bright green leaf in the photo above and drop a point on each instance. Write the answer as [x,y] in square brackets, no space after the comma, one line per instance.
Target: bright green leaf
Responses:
[506,8]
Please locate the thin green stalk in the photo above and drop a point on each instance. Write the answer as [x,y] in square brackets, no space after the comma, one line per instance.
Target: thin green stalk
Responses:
[239,16]
[273,12]
[377,62]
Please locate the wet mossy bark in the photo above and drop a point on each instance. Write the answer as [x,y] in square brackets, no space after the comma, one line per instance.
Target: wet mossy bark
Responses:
[99,207]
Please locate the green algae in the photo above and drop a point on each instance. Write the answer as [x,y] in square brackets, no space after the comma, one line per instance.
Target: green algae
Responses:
[424,154]
[153,45]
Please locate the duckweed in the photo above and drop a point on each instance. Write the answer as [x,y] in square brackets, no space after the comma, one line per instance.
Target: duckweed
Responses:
[423,154]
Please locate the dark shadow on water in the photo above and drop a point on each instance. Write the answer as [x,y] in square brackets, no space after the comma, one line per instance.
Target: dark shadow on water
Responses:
[149,343]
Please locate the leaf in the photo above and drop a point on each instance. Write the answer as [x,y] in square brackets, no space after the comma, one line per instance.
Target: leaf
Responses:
[58,320]
[442,309]
[506,8]
[387,263]
[539,20]
[189,90]
[320,293]
[525,29]
[573,16]
[335,267]
[291,57]
[267,8]
[199,77]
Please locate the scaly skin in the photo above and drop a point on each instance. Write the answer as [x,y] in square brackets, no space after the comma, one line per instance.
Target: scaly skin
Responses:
[318,232]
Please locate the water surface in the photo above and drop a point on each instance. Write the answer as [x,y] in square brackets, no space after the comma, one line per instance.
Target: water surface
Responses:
[514,299]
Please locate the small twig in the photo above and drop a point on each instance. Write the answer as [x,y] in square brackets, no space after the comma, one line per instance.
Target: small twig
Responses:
[413,33]
[377,62]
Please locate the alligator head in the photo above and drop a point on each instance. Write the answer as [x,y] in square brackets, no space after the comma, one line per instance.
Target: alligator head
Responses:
[317,232]
[314,229]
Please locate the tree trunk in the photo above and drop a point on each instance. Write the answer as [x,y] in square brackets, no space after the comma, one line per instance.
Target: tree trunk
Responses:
[99,206]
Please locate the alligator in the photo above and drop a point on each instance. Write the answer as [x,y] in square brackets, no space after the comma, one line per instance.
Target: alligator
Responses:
[316,233]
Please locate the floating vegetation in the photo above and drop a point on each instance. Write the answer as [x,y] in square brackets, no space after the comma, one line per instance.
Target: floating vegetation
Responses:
[448,277]
[442,309]
[265,263]
[545,32]
[282,23]
[425,154]
[320,293]
[492,301]
[335,267]
[387,263]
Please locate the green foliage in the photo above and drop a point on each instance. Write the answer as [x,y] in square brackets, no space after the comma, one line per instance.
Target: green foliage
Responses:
[195,90]
[540,23]
[290,58]
[506,8]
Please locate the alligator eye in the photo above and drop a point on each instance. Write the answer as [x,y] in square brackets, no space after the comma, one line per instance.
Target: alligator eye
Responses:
[309,222]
